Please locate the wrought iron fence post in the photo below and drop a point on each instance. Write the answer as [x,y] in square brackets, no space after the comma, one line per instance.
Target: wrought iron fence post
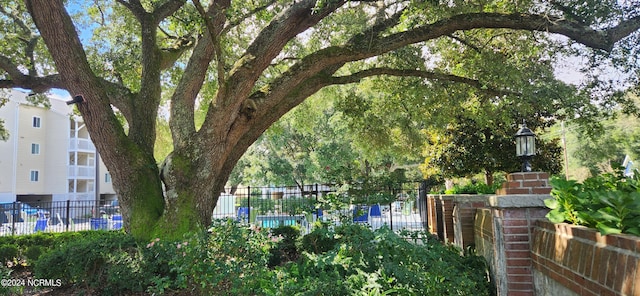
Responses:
[316,204]
[391,216]
[67,214]
[13,218]
[248,204]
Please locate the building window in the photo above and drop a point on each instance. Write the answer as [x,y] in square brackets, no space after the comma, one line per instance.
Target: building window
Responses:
[36,121]
[34,176]
[107,178]
[35,148]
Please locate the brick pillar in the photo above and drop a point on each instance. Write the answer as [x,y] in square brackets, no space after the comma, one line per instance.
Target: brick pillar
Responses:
[511,216]
[526,183]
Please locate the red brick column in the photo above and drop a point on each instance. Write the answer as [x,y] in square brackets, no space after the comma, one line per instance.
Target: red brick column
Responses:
[526,183]
[511,216]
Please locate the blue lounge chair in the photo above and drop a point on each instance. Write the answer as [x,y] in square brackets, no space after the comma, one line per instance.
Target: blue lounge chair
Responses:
[243,214]
[361,214]
[41,225]
[117,222]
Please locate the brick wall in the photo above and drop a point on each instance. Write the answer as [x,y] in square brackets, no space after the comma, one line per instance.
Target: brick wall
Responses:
[530,257]
[451,217]
[586,262]
[464,214]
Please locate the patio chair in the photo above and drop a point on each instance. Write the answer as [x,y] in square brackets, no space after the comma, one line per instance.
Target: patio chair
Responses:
[243,215]
[361,214]
[117,222]
[376,219]
[41,224]
[375,211]
[318,214]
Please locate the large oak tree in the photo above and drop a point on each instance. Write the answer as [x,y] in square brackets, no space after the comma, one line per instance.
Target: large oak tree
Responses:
[245,64]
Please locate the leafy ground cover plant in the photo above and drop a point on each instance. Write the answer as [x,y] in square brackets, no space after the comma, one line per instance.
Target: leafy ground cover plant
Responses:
[609,202]
[235,259]
[474,188]
[25,249]
[365,262]
[105,263]
[232,259]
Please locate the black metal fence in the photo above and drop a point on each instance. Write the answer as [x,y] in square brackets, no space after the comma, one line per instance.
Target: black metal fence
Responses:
[399,207]
[24,218]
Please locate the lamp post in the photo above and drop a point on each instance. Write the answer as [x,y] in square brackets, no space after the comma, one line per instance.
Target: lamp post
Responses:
[525,146]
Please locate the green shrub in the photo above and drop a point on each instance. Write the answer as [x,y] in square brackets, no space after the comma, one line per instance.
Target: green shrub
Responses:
[8,253]
[365,262]
[230,259]
[32,253]
[32,245]
[474,188]
[285,250]
[319,240]
[608,202]
[107,262]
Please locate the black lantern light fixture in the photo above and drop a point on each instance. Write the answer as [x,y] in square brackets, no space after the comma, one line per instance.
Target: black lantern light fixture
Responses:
[525,146]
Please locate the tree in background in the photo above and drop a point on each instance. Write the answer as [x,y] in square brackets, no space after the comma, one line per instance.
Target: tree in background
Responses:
[465,128]
[313,144]
[467,148]
[246,64]
[601,150]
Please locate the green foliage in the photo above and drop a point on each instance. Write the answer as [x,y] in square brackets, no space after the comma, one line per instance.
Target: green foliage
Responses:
[32,253]
[30,247]
[365,262]
[597,149]
[314,143]
[319,240]
[297,205]
[106,262]
[5,273]
[609,202]
[285,249]
[229,259]
[8,253]
[474,188]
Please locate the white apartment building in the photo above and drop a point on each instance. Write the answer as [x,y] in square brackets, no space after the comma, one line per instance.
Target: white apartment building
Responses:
[49,155]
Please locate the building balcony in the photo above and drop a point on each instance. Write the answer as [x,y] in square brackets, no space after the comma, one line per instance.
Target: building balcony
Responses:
[77,144]
[81,171]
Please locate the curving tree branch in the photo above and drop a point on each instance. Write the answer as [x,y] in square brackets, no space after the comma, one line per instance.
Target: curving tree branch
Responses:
[358,76]
[307,76]
[214,21]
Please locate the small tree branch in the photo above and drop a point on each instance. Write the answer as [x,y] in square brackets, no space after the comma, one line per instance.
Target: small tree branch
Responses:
[238,21]
[358,76]
[465,43]
[167,9]
[217,14]
[8,66]
[269,43]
